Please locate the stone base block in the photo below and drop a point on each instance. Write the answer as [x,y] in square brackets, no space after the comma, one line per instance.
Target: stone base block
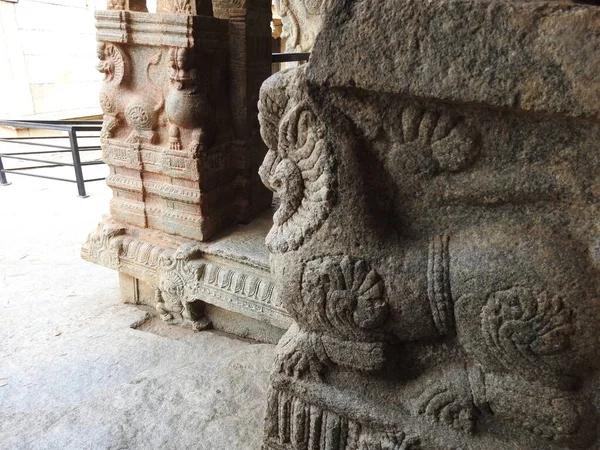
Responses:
[225,284]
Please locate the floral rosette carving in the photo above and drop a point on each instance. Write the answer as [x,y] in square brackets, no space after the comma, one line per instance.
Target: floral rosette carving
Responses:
[299,168]
[345,297]
[523,327]
[342,307]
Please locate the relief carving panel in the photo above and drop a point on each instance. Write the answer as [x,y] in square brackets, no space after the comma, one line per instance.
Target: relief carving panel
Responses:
[444,283]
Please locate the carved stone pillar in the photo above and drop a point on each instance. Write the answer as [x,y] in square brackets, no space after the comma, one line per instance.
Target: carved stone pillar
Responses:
[438,241]
[181,138]
[302,20]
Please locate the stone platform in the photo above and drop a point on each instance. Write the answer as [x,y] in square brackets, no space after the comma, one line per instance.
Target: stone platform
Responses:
[225,281]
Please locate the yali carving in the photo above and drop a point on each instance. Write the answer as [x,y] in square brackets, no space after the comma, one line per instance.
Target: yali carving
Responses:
[299,167]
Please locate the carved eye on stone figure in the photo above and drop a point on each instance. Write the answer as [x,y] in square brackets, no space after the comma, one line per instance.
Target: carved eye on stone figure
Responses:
[301,173]
[347,295]
[428,140]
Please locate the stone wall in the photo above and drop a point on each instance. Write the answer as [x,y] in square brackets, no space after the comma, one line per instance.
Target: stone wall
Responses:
[47,54]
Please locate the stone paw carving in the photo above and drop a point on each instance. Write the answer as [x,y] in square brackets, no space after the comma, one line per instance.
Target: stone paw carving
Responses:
[522,326]
[345,296]
[388,441]
[299,167]
[301,355]
[546,412]
[448,402]
[305,354]
[175,278]
[429,140]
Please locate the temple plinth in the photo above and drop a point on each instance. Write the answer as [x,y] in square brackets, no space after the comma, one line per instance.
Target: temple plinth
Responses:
[181,138]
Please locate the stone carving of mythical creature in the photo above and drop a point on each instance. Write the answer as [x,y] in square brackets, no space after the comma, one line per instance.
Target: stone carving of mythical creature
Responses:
[119,101]
[186,104]
[298,167]
[176,277]
[513,302]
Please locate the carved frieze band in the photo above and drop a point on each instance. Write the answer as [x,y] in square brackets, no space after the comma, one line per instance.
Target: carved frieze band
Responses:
[140,28]
[221,282]
[295,424]
[170,30]
[153,158]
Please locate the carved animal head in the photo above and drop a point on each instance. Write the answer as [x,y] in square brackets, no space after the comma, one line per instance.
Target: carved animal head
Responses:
[180,66]
[299,163]
[113,63]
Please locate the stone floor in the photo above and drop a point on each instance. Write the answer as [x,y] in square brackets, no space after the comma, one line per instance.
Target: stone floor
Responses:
[80,370]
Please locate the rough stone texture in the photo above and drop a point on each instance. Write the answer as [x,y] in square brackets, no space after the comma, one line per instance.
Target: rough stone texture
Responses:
[181,277]
[181,138]
[180,131]
[75,374]
[437,241]
[302,20]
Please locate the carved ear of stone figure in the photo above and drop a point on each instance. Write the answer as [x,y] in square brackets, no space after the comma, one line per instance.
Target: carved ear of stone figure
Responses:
[299,166]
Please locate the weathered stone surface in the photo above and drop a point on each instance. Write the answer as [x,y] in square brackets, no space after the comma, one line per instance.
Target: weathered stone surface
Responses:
[76,374]
[437,242]
[523,55]
[302,21]
[181,138]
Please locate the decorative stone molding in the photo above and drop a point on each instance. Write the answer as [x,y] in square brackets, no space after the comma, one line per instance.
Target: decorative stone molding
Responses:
[181,139]
[188,274]
[437,237]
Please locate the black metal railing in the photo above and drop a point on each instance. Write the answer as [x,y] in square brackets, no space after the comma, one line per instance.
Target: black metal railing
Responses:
[289,57]
[72,129]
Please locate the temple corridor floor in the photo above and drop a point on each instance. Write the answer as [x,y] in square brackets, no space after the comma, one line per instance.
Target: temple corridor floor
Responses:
[75,373]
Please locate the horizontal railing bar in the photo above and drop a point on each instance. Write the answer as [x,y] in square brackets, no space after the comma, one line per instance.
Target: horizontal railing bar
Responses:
[24,138]
[61,125]
[31,167]
[95,179]
[37,144]
[21,158]
[37,153]
[40,176]
[289,57]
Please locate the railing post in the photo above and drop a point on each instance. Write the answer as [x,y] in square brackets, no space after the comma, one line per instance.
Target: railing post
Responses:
[3,181]
[77,163]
